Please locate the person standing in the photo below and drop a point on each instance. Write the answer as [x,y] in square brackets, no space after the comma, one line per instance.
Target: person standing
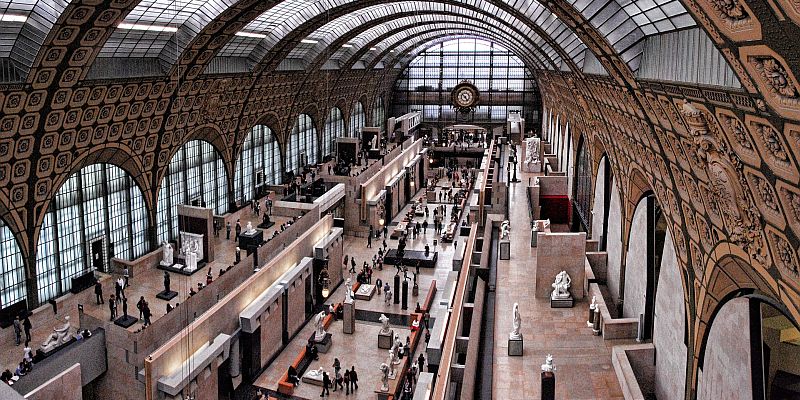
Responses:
[421,362]
[346,377]
[238,229]
[228,230]
[369,239]
[326,383]
[353,377]
[112,306]
[216,228]
[98,292]
[17,330]
[146,313]
[337,374]
[26,324]
[140,306]
[127,274]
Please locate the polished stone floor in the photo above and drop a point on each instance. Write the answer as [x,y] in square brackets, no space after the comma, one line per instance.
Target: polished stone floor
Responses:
[583,361]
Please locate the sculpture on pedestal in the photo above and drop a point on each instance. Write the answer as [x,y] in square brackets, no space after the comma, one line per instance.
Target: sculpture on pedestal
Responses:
[166,282]
[348,291]
[167,258]
[59,336]
[548,364]
[384,323]
[316,374]
[384,377]
[191,261]
[318,324]
[505,229]
[561,286]
[395,351]
[515,335]
[249,228]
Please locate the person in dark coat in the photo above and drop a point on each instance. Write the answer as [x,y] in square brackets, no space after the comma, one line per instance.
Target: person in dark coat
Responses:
[98,292]
[26,324]
[112,306]
[326,384]
[146,313]
[353,377]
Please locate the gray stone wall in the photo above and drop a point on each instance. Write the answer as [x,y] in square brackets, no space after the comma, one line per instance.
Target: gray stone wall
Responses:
[636,264]
[668,328]
[614,243]
[726,369]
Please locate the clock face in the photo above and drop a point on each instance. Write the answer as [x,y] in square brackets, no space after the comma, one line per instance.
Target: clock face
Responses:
[465,96]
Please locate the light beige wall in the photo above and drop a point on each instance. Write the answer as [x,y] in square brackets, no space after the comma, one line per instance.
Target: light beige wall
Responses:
[636,264]
[271,326]
[614,247]
[668,328]
[726,372]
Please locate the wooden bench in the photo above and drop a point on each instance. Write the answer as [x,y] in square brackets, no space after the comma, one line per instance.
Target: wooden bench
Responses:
[301,362]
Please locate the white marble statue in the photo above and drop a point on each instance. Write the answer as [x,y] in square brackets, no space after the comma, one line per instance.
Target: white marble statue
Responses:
[384,377]
[315,374]
[592,307]
[392,368]
[167,258]
[28,355]
[515,335]
[505,230]
[59,336]
[191,261]
[561,286]
[348,291]
[395,351]
[318,324]
[548,364]
[384,324]
[249,228]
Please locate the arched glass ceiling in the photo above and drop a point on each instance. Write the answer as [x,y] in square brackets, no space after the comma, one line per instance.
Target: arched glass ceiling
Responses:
[264,32]
[393,43]
[371,35]
[397,52]
[347,25]
[25,25]
[161,28]
[401,25]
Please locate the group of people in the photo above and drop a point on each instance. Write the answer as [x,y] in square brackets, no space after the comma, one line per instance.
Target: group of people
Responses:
[347,380]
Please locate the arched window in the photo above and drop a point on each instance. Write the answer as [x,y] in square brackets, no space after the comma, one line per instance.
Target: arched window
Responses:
[378,114]
[196,175]
[260,154]
[12,270]
[97,214]
[334,128]
[504,81]
[357,119]
[583,187]
[302,148]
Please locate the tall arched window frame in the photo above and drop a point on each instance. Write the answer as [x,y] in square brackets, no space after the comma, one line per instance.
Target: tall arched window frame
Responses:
[379,114]
[302,148]
[99,202]
[334,128]
[260,153]
[12,269]
[357,119]
[196,172]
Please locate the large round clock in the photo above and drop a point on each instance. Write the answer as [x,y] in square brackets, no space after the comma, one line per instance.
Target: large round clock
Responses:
[464,96]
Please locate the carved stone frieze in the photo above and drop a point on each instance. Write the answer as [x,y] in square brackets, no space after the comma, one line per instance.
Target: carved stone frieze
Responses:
[733,17]
[773,148]
[768,201]
[784,257]
[739,137]
[790,200]
[775,80]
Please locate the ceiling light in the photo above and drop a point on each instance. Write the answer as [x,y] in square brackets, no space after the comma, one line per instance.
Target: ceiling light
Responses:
[251,34]
[309,41]
[13,18]
[143,27]
[347,46]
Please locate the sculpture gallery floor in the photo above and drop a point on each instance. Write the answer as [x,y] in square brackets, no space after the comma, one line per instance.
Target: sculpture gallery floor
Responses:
[361,348]
[147,284]
[583,361]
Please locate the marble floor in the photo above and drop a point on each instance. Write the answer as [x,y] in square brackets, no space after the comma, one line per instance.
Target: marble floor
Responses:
[583,361]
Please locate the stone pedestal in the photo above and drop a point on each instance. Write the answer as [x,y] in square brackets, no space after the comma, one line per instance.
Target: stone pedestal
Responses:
[385,340]
[249,241]
[164,295]
[365,292]
[505,249]
[325,344]
[562,303]
[125,322]
[515,346]
[548,385]
[349,318]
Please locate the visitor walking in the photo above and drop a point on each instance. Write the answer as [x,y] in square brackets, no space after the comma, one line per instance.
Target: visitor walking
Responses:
[353,377]
[326,383]
[26,325]
[228,230]
[17,330]
[112,307]
[98,292]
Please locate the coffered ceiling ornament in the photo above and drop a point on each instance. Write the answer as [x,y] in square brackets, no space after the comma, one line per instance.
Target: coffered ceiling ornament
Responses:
[792,9]
[734,18]
[728,186]
[777,82]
